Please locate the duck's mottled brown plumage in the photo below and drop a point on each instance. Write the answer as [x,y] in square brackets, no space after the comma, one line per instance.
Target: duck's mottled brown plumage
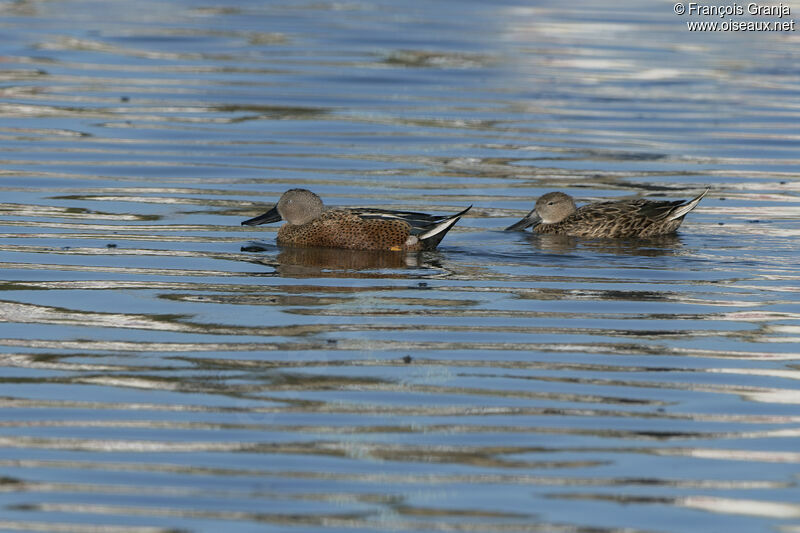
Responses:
[555,213]
[309,224]
[342,229]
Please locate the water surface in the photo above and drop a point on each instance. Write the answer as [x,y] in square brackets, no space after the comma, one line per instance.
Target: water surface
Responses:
[164,368]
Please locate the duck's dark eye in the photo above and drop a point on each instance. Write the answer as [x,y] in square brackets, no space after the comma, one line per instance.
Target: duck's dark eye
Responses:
[550,203]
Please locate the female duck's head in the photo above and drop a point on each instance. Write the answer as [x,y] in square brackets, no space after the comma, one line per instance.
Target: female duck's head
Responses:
[554,207]
[550,208]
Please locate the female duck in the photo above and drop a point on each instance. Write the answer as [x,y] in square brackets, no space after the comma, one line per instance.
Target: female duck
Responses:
[555,212]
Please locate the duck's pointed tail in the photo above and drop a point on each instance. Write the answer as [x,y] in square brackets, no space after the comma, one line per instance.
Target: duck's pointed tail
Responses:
[681,210]
[432,236]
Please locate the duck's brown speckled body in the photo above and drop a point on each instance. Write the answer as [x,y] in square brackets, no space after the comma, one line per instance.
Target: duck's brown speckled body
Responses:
[309,223]
[556,213]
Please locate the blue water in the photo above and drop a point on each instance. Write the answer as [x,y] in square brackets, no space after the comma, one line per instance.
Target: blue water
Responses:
[165,369]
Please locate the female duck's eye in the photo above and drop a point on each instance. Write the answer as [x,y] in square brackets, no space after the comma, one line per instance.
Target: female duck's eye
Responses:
[550,203]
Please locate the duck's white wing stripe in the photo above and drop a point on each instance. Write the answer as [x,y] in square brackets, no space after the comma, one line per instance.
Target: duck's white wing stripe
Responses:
[685,208]
[438,228]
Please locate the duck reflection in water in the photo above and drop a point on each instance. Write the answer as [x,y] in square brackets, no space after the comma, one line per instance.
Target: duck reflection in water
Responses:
[661,245]
[333,262]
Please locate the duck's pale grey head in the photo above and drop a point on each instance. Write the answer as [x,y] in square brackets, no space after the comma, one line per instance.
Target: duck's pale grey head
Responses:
[550,208]
[296,206]
[299,206]
[554,207]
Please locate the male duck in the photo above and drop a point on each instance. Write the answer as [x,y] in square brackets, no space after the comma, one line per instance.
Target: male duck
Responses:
[310,223]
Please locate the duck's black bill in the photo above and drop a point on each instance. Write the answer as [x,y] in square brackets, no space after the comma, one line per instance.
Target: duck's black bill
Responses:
[267,218]
[528,220]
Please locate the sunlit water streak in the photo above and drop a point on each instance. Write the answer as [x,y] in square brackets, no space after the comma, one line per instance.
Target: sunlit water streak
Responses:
[165,369]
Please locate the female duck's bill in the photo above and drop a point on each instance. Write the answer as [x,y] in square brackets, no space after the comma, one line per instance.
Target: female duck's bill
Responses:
[309,223]
[556,213]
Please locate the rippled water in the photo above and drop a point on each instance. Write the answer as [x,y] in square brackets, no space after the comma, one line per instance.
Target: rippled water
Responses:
[165,369]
